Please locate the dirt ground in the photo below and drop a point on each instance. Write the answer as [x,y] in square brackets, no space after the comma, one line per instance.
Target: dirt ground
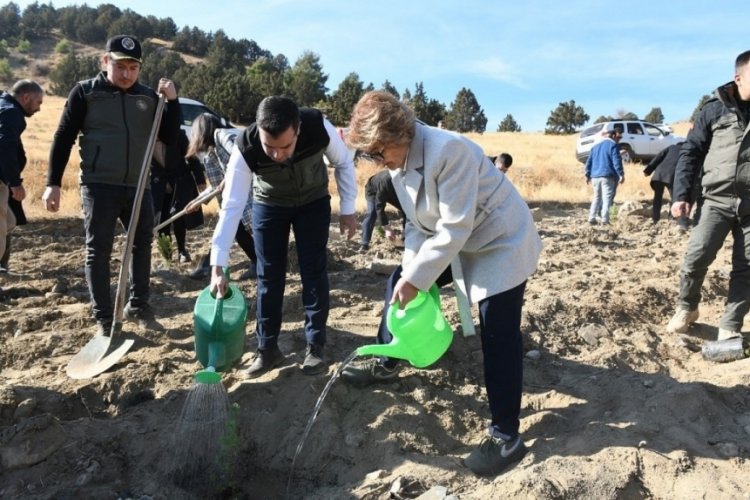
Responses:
[614,407]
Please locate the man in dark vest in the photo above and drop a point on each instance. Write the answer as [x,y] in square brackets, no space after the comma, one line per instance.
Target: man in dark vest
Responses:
[111,116]
[279,159]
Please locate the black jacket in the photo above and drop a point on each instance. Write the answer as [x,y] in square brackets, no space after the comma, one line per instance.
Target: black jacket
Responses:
[379,188]
[719,143]
[12,125]
[663,165]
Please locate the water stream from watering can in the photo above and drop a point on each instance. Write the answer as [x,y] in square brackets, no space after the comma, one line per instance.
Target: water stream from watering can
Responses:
[194,458]
[314,416]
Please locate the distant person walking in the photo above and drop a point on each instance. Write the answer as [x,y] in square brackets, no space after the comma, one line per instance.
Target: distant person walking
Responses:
[720,143]
[111,117]
[379,192]
[663,169]
[603,171]
[24,99]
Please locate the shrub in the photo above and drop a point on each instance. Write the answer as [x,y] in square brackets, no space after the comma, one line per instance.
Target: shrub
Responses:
[63,46]
[23,46]
[6,73]
[3,48]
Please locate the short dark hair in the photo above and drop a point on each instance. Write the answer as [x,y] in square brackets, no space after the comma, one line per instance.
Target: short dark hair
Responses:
[22,87]
[741,60]
[505,159]
[617,129]
[276,114]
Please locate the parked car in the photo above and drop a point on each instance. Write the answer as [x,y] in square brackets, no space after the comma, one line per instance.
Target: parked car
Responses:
[640,141]
[191,109]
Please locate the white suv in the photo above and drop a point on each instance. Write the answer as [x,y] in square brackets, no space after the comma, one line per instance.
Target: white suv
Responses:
[640,141]
[191,109]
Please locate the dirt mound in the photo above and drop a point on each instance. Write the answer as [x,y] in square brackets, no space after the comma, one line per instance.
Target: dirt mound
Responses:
[614,407]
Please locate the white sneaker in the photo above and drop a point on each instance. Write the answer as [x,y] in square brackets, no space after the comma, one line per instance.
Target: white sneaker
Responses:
[727,334]
[681,320]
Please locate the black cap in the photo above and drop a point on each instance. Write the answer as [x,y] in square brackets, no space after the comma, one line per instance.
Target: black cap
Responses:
[124,47]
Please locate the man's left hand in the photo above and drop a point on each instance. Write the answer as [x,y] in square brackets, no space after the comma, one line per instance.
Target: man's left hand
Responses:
[348,225]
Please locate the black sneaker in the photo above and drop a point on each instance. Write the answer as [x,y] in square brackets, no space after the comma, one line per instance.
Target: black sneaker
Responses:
[104,327]
[363,249]
[314,363]
[184,257]
[265,361]
[143,315]
[495,454]
[203,269]
[249,274]
[368,372]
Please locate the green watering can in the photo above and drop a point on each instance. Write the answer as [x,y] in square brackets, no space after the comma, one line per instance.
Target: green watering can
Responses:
[420,333]
[219,326]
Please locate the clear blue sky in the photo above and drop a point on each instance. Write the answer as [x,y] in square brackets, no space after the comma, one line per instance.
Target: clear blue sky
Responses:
[522,58]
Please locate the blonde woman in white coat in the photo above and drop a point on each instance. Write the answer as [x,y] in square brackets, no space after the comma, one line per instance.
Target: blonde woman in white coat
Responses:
[460,209]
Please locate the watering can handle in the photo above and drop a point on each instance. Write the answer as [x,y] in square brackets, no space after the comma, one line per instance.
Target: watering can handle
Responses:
[217,323]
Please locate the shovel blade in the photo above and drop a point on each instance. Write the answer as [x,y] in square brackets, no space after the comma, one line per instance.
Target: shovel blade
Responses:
[98,355]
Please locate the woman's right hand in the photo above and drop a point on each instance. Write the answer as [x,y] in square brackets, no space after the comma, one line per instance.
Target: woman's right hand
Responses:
[219,283]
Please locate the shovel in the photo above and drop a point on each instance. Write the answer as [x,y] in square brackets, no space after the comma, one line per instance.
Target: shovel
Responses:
[100,353]
[206,195]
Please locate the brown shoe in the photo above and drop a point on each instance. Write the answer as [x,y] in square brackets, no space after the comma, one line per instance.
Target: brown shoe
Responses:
[265,361]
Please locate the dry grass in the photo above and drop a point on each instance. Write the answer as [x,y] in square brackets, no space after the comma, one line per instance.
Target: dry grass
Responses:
[544,168]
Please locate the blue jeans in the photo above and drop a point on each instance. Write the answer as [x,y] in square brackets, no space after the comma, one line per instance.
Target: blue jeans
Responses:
[605,189]
[502,349]
[368,223]
[706,239]
[102,206]
[271,225]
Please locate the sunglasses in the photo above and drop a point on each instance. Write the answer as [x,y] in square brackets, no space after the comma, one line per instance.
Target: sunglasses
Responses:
[376,157]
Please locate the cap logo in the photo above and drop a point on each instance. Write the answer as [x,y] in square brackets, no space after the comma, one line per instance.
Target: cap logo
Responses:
[128,43]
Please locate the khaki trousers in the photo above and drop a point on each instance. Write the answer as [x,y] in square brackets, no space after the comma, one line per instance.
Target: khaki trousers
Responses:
[7,219]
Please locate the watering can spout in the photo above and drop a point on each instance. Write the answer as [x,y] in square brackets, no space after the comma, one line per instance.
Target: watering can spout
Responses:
[392,350]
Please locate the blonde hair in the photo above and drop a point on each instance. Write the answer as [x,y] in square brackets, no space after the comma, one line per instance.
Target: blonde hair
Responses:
[379,120]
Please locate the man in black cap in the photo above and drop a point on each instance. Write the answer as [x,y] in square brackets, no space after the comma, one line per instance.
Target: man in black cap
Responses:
[111,115]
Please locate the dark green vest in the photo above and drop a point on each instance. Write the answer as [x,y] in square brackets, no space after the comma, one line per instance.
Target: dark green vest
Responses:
[298,181]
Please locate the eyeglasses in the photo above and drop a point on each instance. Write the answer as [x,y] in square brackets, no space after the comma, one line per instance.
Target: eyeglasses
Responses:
[376,157]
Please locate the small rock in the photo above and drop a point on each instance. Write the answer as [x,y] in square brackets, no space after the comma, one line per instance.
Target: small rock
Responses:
[60,287]
[534,354]
[397,486]
[24,409]
[52,295]
[376,474]
[537,215]
[591,333]
[434,493]
[728,450]
[648,383]
[642,444]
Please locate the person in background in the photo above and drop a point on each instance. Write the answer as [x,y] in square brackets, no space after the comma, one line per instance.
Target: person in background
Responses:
[460,210]
[719,144]
[23,101]
[379,192]
[111,116]
[662,166]
[212,143]
[503,161]
[279,159]
[603,170]
[175,180]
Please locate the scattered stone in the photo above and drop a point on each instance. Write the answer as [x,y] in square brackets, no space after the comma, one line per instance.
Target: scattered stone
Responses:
[728,450]
[434,493]
[648,383]
[384,267]
[375,475]
[591,333]
[642,444]
[52,295]
[33,440]
[534,354]
[397,486]
[24,409]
